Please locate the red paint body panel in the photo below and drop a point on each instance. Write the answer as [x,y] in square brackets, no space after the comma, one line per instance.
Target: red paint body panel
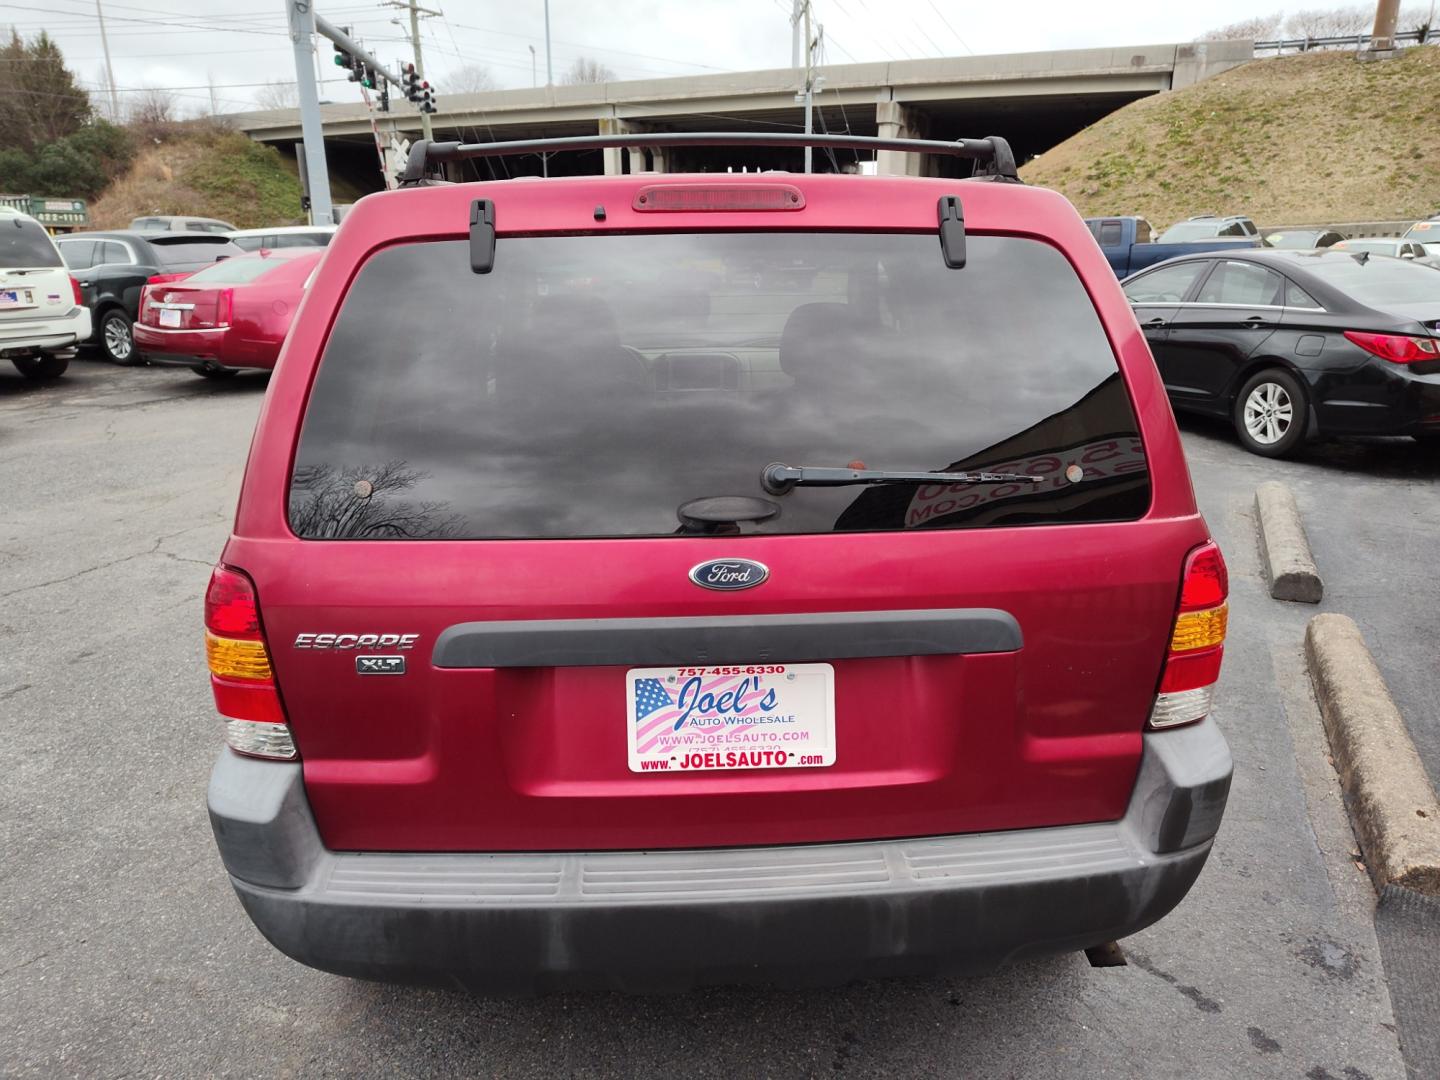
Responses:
[532,759]
[260,314]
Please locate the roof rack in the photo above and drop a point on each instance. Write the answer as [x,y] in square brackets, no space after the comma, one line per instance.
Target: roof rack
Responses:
[992,155]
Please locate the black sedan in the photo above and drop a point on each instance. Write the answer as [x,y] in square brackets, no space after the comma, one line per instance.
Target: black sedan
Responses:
[1290,344]
[112,267]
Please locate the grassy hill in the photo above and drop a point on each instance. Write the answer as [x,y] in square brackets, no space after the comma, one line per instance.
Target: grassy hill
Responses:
[1317,137]
[209,171]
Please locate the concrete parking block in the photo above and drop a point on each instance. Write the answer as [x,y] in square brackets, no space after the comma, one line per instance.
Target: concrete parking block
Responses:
[1392,805]
[1284,549]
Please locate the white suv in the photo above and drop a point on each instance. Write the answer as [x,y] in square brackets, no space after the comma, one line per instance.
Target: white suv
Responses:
[42,318]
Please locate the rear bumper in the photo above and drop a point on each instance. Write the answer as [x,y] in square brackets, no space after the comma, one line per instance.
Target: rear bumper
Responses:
[798,915]
[45,334]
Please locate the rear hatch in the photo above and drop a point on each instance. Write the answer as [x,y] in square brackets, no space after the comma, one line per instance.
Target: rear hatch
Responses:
[35,287]
[507,623]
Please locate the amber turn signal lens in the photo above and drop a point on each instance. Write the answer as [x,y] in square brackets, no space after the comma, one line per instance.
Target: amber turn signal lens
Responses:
[1200,629]
[230,658]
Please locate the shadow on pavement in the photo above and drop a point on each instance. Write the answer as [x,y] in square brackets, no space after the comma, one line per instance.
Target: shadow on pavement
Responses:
[1397,458]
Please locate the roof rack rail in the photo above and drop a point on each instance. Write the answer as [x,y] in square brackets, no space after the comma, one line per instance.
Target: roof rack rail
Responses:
[992,155]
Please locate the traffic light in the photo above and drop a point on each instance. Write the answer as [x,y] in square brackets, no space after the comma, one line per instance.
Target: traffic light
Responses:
[427,98]
[410,83]
[367,77]
[342,55]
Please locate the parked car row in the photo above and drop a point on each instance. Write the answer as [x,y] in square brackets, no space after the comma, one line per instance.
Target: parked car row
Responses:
[249,287]
[1130,245]
[1296,344]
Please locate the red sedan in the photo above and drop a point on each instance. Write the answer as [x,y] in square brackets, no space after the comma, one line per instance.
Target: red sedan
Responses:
[226,317]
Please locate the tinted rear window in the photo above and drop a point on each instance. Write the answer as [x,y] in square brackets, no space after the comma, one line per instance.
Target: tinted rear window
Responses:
[192,253]
[590,386]
[236,271]
[1379,282]
[24,244]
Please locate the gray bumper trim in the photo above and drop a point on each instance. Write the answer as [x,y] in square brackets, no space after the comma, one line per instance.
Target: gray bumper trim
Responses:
[726,639]
[672,919]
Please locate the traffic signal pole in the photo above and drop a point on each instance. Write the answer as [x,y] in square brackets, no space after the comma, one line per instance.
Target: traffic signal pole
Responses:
[302,36]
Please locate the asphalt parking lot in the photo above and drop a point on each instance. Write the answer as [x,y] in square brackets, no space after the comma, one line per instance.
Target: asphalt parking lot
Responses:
[123,950]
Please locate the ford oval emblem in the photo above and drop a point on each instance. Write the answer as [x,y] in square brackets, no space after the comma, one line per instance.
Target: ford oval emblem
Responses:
[728,575]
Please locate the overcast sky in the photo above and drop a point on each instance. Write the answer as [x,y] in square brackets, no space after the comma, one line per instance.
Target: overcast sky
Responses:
[186,45]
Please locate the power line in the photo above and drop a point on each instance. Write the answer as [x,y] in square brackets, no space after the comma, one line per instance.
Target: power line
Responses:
[952,29]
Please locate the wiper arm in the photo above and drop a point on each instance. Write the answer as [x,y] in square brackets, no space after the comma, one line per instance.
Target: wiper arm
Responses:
[779,478]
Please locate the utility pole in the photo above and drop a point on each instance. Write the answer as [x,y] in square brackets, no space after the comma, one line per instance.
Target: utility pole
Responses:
[549,67]
[533,82]
[302,36]
[808,94]
[109,71]
[415,12]
[1382,37]
[795,8]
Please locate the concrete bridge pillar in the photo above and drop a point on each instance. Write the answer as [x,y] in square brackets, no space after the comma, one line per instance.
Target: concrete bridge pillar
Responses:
[613,125]
[895,121]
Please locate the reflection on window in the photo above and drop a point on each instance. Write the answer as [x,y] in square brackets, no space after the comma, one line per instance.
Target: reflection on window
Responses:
[590,386]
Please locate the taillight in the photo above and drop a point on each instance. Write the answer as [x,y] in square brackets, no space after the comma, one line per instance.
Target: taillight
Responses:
[224,307]
[1397,348]
[75,288]
[161,279]
[1197,641]
[144,303]
[240,673]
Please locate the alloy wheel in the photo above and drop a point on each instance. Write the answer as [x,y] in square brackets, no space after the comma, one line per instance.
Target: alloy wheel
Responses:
[1269,412]
[118,342]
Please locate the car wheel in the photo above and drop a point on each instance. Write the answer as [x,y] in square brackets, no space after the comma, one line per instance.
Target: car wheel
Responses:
[217,374]
[41,368]
[1271,413]
[117,340]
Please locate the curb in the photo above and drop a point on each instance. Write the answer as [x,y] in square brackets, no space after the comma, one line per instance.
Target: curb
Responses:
[1393,808]
[1283,547]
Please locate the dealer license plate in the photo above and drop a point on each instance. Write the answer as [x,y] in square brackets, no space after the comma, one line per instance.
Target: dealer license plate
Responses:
[169,317]
[754,716]
[14,298]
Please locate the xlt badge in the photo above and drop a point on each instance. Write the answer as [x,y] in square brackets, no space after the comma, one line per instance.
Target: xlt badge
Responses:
[379,665]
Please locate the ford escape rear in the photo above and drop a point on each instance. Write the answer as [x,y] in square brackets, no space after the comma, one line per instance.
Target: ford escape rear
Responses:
[700,579]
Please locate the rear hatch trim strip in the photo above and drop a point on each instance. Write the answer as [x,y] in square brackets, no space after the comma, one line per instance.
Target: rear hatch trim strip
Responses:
[726,639]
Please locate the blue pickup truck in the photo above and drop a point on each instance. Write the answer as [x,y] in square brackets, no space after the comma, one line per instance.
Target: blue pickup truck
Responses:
[1130,243]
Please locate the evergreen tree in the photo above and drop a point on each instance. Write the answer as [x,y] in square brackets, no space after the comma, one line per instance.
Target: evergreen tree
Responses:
[40,101]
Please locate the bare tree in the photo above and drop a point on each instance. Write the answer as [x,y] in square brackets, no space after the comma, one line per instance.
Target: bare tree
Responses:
[469,79]
[1330,22]
[152,107]
[586,69]
[369,502]
[1259,28]
[278,94]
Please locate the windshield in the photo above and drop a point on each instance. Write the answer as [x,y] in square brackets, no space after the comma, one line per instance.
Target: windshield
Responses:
[1425,231]
[1190,230]
[236,271]
[25,245]
[1379,247]
[1380,283]
[591,386]
[1293,241]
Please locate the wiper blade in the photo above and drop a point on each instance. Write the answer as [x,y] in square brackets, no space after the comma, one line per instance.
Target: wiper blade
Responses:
[778,478]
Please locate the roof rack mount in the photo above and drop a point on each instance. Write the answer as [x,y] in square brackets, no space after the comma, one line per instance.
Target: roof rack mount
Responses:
[992,155]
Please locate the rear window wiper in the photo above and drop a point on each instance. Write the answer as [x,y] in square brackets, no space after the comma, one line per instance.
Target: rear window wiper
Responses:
[778,478]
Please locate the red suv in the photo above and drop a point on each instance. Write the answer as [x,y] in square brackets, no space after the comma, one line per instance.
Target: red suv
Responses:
[713,578]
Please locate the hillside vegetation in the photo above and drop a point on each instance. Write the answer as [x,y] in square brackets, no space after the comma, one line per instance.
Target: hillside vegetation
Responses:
[1314,137]
[208,172]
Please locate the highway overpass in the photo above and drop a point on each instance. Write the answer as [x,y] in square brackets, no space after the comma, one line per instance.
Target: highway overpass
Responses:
[1035,99]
